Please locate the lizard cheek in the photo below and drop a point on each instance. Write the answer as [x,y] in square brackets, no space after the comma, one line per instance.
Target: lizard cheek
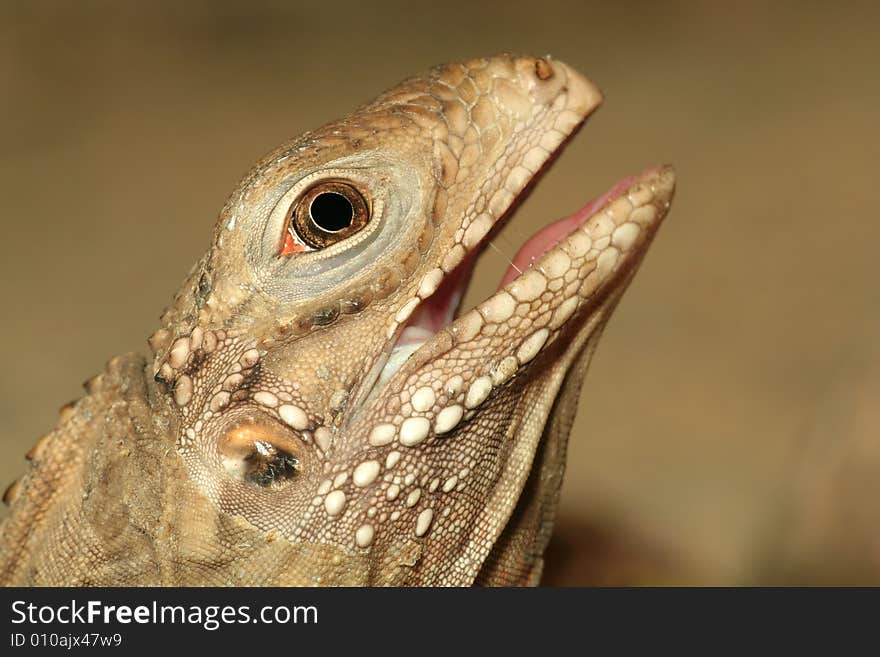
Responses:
[258,455]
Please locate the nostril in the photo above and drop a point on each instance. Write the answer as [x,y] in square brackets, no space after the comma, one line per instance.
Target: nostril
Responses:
[542,78]
[543,69]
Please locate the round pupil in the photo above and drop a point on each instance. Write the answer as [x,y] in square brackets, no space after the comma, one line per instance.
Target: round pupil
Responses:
[331,212]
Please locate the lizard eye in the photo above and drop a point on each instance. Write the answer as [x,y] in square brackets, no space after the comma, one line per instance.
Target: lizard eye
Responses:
[325,214]
[254,454]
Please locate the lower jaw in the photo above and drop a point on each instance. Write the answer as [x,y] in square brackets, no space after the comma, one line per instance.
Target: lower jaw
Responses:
[441,308]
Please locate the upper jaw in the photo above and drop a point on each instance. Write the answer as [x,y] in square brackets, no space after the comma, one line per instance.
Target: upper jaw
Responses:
[548,102]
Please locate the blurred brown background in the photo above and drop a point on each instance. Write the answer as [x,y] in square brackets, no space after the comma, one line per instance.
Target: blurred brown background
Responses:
[729,426]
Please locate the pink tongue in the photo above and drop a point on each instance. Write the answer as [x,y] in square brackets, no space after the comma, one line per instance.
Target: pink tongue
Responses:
[548,237]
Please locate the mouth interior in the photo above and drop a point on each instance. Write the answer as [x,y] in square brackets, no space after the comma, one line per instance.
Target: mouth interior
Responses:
[441,308]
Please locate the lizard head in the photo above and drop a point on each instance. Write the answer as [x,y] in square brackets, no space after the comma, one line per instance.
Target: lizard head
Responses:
[325,386]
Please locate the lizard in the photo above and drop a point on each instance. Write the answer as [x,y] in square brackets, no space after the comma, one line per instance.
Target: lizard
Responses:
[316,409]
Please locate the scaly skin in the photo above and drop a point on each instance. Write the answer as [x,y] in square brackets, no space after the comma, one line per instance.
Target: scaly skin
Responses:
[440,469]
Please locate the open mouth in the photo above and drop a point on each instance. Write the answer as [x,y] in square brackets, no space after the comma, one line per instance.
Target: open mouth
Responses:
[616,224]
[558,280]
